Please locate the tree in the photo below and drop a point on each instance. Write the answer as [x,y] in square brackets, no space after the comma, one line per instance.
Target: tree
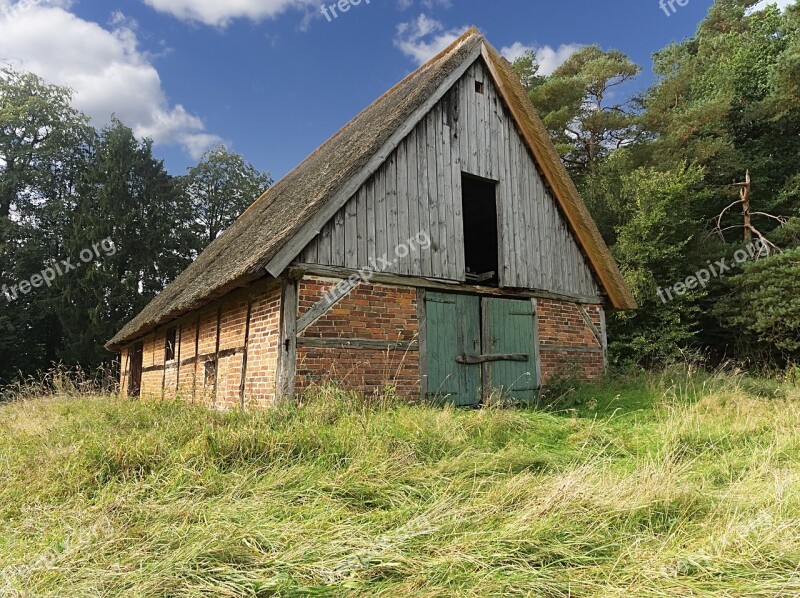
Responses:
[44,145]
[764,302]
[651,248]
[133,211]
[42,139]
[574,103]
[220,188]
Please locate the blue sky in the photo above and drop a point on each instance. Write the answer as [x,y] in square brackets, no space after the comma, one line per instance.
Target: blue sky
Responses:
[273,79]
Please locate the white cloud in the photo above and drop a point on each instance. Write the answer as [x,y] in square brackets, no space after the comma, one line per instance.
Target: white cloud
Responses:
[549,58]
[429,4]
[108,72]
[219,13]
[424,37]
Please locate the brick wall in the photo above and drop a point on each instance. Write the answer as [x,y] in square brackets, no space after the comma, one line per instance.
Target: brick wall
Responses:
[191,375]
[374,312]
[567,345]
[262,355]
[187,349]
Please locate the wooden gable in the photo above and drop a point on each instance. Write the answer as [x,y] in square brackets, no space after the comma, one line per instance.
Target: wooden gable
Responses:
[418,189]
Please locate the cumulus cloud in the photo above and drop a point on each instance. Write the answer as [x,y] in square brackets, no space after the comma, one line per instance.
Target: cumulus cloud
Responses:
[219,13]
[424,37]
[105,67]
[549,58]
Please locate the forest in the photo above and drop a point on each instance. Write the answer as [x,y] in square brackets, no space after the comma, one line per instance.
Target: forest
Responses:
[694,183]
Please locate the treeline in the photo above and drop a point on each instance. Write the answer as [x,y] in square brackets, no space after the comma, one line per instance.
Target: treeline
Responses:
[662,172]
[92,226]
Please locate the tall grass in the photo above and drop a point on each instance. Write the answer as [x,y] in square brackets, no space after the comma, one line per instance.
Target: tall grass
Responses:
[677,484]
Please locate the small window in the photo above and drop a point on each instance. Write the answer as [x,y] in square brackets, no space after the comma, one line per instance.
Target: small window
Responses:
[211,372]
[480,230]
[169,344]
[479,87]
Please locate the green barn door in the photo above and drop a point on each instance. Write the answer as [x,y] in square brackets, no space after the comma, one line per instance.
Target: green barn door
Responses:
[509,341]
[453,329]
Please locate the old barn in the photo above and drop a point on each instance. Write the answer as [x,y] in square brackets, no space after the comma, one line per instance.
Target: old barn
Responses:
[480,266]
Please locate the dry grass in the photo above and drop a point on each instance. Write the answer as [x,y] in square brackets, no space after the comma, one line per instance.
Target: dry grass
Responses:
[669,485]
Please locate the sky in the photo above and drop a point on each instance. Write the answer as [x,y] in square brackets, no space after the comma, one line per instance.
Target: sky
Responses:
[273,79]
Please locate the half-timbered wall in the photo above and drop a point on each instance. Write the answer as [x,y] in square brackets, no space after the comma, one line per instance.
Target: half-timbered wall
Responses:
[418,189]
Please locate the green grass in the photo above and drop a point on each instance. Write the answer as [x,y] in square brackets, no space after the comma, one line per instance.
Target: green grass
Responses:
[664,485]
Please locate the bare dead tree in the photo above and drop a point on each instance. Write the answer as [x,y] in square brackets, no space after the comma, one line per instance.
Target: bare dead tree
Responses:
[745,190]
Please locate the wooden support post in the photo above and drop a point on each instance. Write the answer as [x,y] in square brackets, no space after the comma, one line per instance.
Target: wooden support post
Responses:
[243,381]
[422,322]
[287,351]
[196,355]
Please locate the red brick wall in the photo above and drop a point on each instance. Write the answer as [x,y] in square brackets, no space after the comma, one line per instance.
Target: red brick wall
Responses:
[369,311]
[187,337]
[565,337]
[262,358]
[375,312]
[187,381]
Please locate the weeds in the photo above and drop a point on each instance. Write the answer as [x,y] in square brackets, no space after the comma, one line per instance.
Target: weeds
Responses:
[682,483]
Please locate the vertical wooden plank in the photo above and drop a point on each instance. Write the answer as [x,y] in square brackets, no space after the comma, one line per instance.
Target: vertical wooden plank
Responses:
[178,371]
[245,349]
[361,216]
[371,226]
[467,135]
[457,192]
[287,360]
[351,233]
[324,245]
[392,219]
[433,197]
[480,124]
[449,202]
[426,256]
[380,213]
[530,229]
[414,224]
[517,216]
[337,239]
[539,228]
[196,357]
[496,114]
[441,191]
[505,202]
[537,344]
[403,231]
[604,337]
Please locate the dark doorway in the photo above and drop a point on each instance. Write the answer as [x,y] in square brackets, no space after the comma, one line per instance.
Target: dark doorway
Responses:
[135,382]
[479,199]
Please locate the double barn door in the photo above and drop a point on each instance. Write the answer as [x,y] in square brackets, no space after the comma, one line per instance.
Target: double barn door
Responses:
[479,346]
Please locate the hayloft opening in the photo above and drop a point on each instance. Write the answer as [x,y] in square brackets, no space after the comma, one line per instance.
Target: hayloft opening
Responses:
[479,200]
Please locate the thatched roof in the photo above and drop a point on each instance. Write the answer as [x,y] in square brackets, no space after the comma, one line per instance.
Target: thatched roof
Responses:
[241,255]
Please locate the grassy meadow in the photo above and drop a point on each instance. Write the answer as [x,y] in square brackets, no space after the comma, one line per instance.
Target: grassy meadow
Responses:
[676,484]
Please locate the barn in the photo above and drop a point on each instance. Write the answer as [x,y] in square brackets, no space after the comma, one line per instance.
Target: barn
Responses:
[434,247]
